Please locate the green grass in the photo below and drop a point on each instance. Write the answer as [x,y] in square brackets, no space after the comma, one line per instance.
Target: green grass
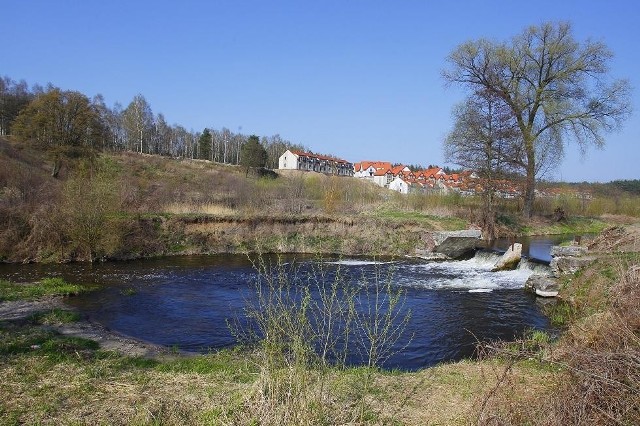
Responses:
[231,364]
[561,313]
[42,288]
[573,225]
[56,316]
[437,222]
[40,342]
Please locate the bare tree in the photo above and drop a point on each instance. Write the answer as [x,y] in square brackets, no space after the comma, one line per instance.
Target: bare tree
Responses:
[555,88]
[484,139]
[138,123]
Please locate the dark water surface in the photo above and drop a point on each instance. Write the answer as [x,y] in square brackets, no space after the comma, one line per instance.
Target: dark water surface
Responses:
[186,302]
[537,248]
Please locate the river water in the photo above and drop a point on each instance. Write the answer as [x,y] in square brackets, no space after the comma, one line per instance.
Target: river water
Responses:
[186,302]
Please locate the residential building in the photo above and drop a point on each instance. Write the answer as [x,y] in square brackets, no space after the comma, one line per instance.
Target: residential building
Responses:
[299,160]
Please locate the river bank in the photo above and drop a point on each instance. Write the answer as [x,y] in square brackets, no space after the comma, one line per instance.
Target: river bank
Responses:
[380,233]
[23,311]
[52,378]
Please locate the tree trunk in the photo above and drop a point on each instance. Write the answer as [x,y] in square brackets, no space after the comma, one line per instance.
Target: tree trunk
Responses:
[530,179]
[529,190]
[55,170]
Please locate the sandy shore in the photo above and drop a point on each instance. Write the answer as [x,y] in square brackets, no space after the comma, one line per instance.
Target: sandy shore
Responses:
[20,310]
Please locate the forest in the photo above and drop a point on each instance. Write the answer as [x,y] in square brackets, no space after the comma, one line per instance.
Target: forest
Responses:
[134,128]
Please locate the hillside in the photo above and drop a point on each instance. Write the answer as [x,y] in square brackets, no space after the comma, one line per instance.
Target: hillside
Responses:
[127,205]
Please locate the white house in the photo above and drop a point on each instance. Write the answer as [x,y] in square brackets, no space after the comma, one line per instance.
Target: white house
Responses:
[368,169]
[400,185]
[299,160]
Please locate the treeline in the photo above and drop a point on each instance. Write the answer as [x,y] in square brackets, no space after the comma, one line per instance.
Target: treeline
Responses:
[614,188]
[630,186]
[134,128]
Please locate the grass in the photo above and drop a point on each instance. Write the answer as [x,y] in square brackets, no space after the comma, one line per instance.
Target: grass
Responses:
[448,223]
[55,316]
[42,288]
[573,225]
[203,208]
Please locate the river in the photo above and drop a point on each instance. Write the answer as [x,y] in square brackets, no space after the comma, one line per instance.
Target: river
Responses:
[186,302]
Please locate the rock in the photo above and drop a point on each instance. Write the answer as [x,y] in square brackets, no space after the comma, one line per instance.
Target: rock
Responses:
[568,259]
[428,255]
[509,259]
[563,251]
[569,264]
[454,244]
[542,285]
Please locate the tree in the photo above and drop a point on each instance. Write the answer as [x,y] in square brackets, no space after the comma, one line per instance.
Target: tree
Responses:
[484,139]
[253,154]
[64,123]
[555,88]
[204,145]
[13,97]
[163,134]
[138,124]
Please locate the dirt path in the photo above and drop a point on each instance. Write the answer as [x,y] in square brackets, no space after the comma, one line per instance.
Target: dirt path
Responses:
[21,310]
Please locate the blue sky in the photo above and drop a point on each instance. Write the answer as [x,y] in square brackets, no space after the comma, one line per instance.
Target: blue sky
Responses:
[357,79]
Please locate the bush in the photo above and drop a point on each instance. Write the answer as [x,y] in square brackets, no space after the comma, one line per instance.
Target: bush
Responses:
[304,325]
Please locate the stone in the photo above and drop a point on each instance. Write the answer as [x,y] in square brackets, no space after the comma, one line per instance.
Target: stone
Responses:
[454,244]
[542,285]
[509,259]
[569,264]
[428,255]
[564,251]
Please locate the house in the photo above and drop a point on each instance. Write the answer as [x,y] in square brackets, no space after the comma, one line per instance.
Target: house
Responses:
[400,185]
[367,169]
[300,160]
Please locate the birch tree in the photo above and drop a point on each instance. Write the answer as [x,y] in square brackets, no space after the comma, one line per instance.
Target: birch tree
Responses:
[138,123]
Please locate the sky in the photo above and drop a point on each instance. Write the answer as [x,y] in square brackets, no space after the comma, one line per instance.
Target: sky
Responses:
[361,80]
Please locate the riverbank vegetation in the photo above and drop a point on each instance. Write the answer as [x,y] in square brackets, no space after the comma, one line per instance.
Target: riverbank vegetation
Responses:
[588,375]
[128,205]
[43,288]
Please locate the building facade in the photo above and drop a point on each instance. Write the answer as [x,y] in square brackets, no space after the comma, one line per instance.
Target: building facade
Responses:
[306,161]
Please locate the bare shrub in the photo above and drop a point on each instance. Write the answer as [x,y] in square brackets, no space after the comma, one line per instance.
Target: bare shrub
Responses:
[304,325]
[596,368]
[88,205]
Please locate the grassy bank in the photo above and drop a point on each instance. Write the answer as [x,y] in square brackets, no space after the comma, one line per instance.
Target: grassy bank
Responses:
[52,379]
[43,288]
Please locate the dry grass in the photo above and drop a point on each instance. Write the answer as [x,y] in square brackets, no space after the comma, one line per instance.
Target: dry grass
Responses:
[595,366]
[106,391]
[78,394]
[213,209]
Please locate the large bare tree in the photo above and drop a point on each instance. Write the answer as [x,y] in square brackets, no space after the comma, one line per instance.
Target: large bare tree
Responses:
[556,90]
[138,123]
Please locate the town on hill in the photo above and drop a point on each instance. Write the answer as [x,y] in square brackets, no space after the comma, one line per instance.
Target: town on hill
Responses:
[403,179]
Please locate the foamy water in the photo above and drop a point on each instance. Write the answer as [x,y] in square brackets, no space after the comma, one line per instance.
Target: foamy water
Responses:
[352,262]
[473,274]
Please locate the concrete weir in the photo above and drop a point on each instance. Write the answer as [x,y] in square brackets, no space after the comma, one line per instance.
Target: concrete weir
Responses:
[452,244]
